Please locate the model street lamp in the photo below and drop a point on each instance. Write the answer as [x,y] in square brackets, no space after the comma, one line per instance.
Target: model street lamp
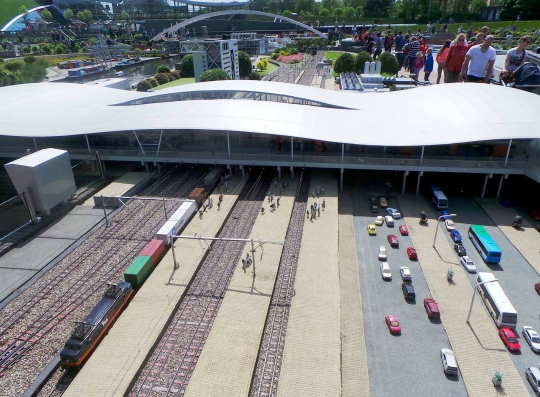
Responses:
[474,291]
[437,227]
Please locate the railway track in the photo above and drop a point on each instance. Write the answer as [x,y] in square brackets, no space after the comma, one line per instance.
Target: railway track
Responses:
[266,375]
[36,324]
[169,368]
[311,69]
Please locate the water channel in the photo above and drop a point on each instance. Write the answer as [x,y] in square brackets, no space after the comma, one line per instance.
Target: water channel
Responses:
[133,74]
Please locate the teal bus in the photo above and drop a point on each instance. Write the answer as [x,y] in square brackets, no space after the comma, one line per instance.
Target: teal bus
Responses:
[482,241]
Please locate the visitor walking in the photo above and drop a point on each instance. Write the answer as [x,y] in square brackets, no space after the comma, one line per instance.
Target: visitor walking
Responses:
[323,204]
[378,47]
[516,56]
[441,60]
[411,49]
[479,61]
[418,64]
[278,201]
[399,41]
[455,58]
[388,41]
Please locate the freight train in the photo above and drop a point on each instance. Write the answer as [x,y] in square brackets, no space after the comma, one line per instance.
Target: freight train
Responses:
[88,333]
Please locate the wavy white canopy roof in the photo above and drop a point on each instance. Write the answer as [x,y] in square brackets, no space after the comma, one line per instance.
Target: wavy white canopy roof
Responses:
[438,114]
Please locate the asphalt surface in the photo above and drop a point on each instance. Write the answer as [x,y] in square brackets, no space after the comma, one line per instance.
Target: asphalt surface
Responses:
[408,364]
[515,275]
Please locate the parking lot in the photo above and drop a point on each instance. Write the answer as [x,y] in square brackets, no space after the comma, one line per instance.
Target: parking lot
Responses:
[514,273]
[408,364]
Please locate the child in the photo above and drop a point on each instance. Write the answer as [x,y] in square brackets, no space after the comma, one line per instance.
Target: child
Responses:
[428,67]
[418,64]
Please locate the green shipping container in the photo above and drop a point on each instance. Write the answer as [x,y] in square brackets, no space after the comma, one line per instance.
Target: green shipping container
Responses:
[138,271]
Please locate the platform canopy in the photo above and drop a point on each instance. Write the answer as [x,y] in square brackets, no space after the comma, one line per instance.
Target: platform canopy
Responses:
[434,115]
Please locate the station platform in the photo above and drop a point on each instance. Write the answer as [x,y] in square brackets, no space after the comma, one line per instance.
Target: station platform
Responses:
[230,353]
[34,257]
[312,356]
[526,239]
[116,361]
[478,348]
[120,186]
[354,363]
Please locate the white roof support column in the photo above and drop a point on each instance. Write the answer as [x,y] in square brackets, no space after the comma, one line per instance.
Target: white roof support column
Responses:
[88,143]
[421,158]
[159,143]
[137,138]
[507,154]
[342,152]
[35,143]
[292,152]
[405,173]
[228,145]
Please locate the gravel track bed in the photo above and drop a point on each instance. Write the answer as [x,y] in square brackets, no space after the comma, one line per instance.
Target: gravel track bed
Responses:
[268,367]
[169,368]
[71,289]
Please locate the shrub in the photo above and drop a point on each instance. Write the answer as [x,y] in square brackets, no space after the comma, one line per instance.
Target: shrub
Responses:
[137,52]
[14,66]
[360,60]
[254,76]
[345,63]
[186,66]
[213,75]
[389,63]
[163,69]
[176,74]
[26,50]
[46,48]
[286,13]
[244,63]
[30,59]
[275,56]
[324,12]
[144,86]
[77,48]
[153,82]
[36,50]
[162,78]
[260,65]
[60,49]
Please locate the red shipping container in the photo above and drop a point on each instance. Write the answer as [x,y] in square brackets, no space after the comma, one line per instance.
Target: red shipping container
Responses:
[155,250]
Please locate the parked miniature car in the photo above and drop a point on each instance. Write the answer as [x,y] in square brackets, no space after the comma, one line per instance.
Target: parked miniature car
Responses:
[379,221]
[537,288]
[383,203]
[468,264]
[405,273]
[455,236]
[404,230]
[449,362]
[411,253]
[460,249]
[389,221]
[393,324]
[382,253]
[509,339]
[393,240]
[408,291]
[386,273]
[393,213]
[449,224]
[372,230]
[532,338]
[432,309]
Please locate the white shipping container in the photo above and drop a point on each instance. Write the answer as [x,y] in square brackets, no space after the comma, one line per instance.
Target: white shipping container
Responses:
[175,226]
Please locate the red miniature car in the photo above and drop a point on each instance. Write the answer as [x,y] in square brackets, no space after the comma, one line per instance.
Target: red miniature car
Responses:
[537,288]
[392,240]
[535,214]
[432,309]
[404,230]
[509,339]
[393,324]
[411,252]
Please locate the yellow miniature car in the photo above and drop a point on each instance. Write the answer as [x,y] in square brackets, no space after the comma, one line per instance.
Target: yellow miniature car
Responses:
[371,230]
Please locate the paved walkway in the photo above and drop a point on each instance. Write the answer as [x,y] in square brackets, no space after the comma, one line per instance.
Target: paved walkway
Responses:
[120,186]
[478,349]
[354,366]
[526,240]
[229,356]
[113,365]
[312,354]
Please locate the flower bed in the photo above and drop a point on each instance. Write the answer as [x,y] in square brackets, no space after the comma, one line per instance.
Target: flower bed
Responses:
[291,58]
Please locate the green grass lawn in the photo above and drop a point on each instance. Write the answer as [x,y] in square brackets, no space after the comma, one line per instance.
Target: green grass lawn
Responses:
[269,69]
[493,26]
[182,81]
[10,9]
[334,55]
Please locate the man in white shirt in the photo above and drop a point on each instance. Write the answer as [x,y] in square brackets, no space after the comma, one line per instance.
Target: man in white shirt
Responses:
[478,65]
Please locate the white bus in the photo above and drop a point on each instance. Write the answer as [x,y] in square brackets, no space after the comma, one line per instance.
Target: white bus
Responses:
[438,197]
[497,303]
